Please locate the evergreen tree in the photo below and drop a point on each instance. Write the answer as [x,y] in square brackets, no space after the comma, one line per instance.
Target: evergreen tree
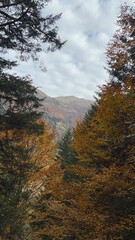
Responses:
[67,155]
[18,114]
[23,29]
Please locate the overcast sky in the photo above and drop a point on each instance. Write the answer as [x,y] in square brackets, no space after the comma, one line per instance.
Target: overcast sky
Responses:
[78,68]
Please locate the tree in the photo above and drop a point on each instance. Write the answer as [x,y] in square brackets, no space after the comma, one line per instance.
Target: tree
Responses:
[89,115]
[18,112]
[18,104]
[61,211]
[105,146]
[45,217]
[14,166]
[113,128]
[109,146]
[23,179]
[121,51]
[22,29]
[42,182]
[81,139]
[67,156]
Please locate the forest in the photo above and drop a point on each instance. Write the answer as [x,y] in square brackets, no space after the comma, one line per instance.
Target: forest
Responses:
[82,186]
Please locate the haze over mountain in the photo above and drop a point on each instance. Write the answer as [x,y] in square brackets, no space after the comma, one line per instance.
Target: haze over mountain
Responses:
[63,112]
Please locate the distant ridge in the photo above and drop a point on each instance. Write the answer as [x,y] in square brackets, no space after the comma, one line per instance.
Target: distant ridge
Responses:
[63,112]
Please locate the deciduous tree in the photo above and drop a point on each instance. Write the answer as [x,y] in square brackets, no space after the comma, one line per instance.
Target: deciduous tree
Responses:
[24,173]
[108,143]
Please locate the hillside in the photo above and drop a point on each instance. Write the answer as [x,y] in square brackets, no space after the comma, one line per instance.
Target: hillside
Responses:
[63,112]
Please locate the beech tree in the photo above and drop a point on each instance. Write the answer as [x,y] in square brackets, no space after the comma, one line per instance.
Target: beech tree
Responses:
[101,206]
[41,179]
[121,51]
[109,143]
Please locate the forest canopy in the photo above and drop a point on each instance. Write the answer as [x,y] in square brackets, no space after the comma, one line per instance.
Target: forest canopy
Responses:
[82,186]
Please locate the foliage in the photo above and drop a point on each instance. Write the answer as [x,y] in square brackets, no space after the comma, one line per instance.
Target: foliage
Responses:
[100,152]
[24,28]
[121,51]
[67,156]
[100,205]
[107,142]
[23,178]
[66,153]
[18,104]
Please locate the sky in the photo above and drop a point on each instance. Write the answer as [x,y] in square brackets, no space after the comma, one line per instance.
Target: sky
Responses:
[78,69]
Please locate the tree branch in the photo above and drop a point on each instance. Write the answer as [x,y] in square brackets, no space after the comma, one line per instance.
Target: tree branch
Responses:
[14,19]
[7,15]
[10,5]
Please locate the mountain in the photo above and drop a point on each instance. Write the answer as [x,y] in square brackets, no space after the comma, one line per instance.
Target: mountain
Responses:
[63,112]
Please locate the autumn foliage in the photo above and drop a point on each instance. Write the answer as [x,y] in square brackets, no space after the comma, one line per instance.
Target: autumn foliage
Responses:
[83,187]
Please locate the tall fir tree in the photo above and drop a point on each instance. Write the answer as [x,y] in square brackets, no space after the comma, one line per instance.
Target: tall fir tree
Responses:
[24,30]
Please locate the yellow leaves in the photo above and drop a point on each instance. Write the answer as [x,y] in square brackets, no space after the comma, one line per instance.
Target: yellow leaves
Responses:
[42,156]
[114,179]
[41,153]
[100,204]
[111,193]
[109,128]
[106,150]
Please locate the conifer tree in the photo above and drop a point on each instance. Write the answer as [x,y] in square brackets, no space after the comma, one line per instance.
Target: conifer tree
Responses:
[67,155]
[23,29]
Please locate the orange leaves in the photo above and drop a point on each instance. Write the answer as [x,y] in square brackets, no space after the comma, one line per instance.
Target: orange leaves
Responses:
[42,157]
[106,148]
[41,151]
[111,130]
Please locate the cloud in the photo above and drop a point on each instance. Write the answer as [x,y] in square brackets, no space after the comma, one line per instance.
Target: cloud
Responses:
[78,68]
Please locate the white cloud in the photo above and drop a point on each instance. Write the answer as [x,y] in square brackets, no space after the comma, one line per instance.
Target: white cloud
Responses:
[78,68]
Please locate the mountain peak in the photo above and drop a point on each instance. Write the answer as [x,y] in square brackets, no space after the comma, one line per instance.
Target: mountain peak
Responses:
[63,112]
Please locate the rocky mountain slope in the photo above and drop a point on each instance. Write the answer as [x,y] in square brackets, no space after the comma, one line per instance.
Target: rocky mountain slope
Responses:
[63,112]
